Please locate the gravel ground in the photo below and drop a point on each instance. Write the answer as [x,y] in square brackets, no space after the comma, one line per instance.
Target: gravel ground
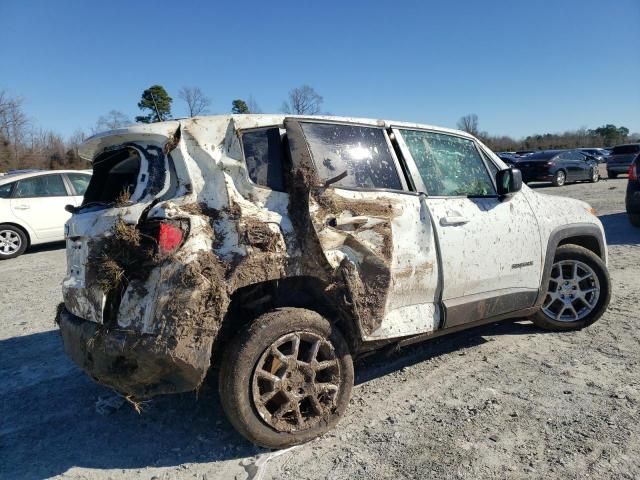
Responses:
[501,401]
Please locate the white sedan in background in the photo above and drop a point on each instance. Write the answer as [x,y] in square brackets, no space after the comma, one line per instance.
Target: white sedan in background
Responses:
[32,207]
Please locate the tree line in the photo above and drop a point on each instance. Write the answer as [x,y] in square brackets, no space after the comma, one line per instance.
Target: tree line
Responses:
[24,145]
[605,136]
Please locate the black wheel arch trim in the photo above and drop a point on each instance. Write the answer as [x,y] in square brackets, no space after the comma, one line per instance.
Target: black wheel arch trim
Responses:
[556,238]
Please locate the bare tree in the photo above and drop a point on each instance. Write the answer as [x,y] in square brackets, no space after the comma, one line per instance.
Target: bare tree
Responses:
[303,100]
[111,121]
[469,123]
[197,102]
[253,105]
[13,128]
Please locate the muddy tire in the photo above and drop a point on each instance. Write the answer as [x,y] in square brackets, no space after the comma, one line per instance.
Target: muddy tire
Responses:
[634,218]
[578,293]
[287,379]
[13,241]
[559,179]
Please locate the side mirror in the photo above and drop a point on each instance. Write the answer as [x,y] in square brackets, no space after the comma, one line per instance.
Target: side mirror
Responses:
[509,181]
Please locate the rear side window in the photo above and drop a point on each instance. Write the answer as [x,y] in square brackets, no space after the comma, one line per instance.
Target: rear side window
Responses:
[263,154]
[42,186]
[449,165]
[5,190]
[625,149]
[362,152]
[79,181]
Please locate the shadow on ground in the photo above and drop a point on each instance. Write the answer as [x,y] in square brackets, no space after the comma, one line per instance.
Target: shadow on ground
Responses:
[619,230]
[45,247]
[50,423]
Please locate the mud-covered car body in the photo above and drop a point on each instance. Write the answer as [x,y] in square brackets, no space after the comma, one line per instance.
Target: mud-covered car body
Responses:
[223,218]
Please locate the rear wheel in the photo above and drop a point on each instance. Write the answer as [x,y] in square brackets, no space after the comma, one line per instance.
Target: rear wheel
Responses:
[578,292]
[13,241]
[287,379]
[612,174]
[634,218]
[559,178]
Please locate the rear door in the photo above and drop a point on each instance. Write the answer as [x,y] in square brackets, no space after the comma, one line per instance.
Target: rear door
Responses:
[374,234]
[39,202]
[490,246]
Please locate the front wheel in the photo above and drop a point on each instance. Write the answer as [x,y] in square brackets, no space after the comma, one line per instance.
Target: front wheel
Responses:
[559,178]
[595,175]
[13,241]
[578,292]
[287,379]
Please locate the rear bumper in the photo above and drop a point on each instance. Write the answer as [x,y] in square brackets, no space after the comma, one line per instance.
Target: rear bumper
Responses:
[618,168]
[133,363]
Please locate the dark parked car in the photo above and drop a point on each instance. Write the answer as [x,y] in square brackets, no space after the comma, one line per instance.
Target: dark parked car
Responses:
[620,159]
[558,167]
[632,199]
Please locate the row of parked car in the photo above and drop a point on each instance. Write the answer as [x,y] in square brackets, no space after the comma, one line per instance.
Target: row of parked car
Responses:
[562,166]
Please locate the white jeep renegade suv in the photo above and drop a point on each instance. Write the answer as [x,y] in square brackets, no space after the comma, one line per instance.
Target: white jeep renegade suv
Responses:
[278,248]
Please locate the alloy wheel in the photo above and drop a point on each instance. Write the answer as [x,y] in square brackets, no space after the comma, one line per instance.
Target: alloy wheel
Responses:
[10,242]
[573,291]
[296,382]
[560,177]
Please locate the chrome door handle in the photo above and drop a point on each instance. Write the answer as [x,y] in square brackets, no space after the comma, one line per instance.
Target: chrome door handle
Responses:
[22,207]
[450,221]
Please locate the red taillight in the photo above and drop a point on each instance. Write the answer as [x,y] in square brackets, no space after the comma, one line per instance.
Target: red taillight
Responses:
[633,174]
[169,238]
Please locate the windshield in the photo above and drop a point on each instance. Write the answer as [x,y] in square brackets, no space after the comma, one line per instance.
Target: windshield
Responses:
[625,149]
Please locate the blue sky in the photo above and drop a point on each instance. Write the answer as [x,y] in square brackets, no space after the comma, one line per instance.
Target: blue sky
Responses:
[522,66]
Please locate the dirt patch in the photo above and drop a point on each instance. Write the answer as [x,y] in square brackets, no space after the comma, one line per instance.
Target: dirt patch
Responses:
[120,257]
[259,235]
[123,198]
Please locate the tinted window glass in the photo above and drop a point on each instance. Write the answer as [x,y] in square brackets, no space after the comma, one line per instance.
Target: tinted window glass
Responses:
[448,165]
[5,190]
[542,155]
[363,152]
[80,182]
[42,186]
[263,156]
[625,149]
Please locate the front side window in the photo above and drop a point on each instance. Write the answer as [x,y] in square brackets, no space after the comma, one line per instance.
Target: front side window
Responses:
[42,186]
[362,152]
[449,165]
[79,181]
[5,190]
[263,152]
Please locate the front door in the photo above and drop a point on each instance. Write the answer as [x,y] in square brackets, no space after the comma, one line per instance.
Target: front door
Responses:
[490,246]
[374,234]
